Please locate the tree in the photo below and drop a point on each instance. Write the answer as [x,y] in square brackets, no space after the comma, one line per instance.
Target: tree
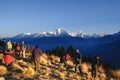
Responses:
[48,52]
[62,53]
[70,50]
[57,51]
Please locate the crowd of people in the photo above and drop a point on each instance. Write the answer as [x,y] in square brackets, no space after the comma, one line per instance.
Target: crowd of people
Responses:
[78,61]
[20,50]
[11,50]
[14,47]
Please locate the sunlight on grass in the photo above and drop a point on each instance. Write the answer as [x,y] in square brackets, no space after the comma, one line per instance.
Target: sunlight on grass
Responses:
[3,70]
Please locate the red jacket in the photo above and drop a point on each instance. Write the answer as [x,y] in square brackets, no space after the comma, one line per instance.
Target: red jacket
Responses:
[17,48]
[67,57]
[8,59]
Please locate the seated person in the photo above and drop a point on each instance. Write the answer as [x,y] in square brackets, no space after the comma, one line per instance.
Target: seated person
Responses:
[8,58]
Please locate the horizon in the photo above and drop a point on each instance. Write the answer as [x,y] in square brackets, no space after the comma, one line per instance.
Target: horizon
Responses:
[29,33]
[28,16]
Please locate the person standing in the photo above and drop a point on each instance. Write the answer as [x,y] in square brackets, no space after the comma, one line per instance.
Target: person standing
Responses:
[78,60]
[9,45]
[36,53]
[3,45]
[23,48]
[14,47]
[95,64]
[18,49]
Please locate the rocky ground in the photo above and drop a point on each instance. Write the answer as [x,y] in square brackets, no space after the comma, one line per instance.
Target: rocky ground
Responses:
[51,69]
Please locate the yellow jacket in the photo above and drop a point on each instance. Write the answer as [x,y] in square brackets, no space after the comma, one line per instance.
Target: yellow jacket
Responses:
[9,45]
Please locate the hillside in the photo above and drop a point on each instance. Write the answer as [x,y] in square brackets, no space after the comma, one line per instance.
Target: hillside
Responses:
[51,69]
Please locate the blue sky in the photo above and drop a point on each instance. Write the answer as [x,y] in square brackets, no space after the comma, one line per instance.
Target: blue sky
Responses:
[89,16]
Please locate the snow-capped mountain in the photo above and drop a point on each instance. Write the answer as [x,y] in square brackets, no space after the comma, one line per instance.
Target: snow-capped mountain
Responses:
[105,44]
[58,33]
[24,35]
[98,35]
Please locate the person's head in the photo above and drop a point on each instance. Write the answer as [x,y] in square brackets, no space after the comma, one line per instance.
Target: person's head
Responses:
[23,42]
[14,42]
[9,41]
[97,57]
[77,51]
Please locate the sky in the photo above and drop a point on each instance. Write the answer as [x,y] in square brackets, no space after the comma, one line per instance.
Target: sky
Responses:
[32,16]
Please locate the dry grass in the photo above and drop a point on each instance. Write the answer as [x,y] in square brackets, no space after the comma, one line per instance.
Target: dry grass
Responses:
[70,62]
[16,66]
[52,70]
[116,74]
[2,78]
[101,72]
[77,77]
[21,62]
[62,75]
[100,69]
[1,56]
[45,56]
[85,67]
[55,58]
[102,76]
[43,60]
[49,62]
[3,70]
[29,72]
[61,67]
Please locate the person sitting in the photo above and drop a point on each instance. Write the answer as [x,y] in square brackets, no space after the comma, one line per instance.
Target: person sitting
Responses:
[8,58]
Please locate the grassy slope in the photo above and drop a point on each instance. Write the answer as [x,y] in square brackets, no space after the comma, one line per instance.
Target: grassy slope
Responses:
[51,69]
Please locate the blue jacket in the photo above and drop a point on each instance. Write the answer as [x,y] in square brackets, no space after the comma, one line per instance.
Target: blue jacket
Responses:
[77,57]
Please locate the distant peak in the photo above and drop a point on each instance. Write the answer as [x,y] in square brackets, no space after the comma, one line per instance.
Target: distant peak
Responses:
[27,33]
[58,32]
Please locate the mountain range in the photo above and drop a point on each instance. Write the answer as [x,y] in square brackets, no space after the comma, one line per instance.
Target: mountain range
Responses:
[105,45]
[58,33]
